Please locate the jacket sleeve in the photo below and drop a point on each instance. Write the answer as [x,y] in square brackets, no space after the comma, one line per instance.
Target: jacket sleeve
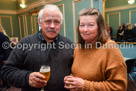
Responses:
[12,71]
[6,51]
[115,75]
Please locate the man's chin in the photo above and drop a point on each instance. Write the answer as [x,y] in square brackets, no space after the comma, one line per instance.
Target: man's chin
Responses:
[51,38]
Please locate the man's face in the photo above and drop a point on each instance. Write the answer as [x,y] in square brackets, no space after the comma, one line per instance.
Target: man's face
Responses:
[50,24]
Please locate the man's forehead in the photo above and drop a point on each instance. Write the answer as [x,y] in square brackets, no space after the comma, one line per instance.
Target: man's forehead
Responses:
[52,18]
[51,14]
[50,9]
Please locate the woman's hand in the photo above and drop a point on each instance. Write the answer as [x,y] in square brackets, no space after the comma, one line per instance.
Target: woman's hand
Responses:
[73,83]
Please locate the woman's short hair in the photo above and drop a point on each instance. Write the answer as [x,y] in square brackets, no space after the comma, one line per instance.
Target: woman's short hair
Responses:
[103,35]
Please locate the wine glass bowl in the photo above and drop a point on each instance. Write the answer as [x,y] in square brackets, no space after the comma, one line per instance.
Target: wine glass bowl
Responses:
[45,71]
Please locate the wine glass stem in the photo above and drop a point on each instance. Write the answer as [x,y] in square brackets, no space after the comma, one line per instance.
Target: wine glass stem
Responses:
[42,89]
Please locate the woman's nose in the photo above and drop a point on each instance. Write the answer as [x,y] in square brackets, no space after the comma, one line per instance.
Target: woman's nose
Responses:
[85,28]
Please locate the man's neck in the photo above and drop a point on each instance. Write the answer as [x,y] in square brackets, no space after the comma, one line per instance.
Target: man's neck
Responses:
[49,41]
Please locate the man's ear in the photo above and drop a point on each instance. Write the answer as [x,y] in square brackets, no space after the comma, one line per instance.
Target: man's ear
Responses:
[39,22]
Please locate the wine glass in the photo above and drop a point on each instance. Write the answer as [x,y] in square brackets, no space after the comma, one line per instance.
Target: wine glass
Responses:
[45,71]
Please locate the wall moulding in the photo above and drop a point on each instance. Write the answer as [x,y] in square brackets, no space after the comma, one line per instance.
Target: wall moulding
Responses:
[63,12]
[108,18]
[11,23]
[113,14]
[30,6]
[37,4]
[130,13]
[2,11]
[123,7]
[74,24]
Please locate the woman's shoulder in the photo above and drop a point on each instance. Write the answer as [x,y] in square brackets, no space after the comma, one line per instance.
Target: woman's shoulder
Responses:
[110,41]
[113,52]
[111,45]
[2,36]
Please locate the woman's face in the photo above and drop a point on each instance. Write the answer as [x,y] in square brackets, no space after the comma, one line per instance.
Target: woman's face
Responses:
[88,28]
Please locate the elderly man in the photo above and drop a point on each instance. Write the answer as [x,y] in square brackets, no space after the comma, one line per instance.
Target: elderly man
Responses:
[43,48]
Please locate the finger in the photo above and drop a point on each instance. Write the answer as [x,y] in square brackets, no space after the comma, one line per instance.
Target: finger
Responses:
[70,76]
[39,78]
[38,75]
[38,81]
[39,84]
[71,79]
[69,87]
[68,83]
[65,78]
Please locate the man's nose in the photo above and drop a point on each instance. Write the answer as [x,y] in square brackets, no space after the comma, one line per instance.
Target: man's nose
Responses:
[52,25]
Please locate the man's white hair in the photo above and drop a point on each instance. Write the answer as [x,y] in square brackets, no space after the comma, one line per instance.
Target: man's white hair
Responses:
[40,14]
[51,6]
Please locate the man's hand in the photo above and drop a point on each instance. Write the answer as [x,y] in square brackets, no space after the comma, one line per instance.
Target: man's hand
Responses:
[37,80]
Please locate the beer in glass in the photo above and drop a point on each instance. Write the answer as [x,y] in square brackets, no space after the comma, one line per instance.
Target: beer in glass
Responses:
[45,71]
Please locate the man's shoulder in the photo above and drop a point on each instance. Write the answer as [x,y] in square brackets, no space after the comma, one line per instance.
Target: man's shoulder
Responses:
[29,38]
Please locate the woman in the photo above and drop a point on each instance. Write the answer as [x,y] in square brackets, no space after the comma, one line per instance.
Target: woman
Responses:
[4,38]
[4,52]
[120,33]
[99,67]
